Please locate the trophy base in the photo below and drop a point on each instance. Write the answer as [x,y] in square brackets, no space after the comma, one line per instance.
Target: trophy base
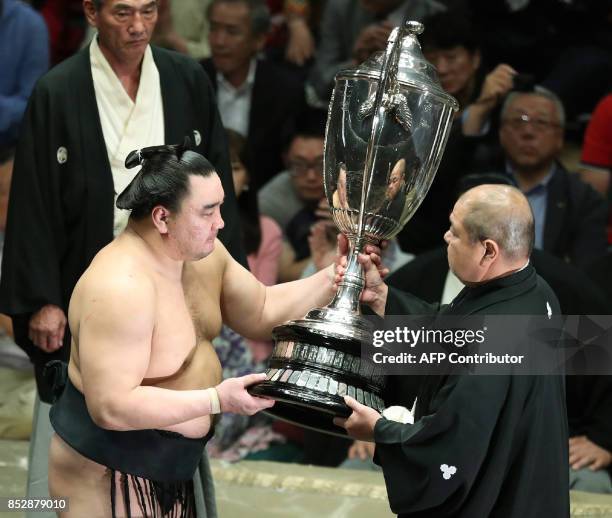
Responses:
[316,363]
[304,407]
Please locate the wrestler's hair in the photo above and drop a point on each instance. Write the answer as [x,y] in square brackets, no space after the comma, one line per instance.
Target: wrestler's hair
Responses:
[539,91]
[258,10]
[500,218]
[163,179]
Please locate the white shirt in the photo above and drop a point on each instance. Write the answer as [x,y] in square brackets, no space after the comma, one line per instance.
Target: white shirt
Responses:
[235,103]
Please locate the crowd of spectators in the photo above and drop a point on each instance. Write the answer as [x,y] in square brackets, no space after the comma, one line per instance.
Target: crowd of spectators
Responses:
[533,80]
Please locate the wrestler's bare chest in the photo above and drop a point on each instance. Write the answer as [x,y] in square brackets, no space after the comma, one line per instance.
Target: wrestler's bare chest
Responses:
[188,318]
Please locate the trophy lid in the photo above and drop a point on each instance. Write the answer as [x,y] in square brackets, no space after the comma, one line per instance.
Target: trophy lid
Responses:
[412,69]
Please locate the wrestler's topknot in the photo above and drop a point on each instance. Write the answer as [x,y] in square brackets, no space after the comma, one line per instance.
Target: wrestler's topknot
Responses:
[163,178]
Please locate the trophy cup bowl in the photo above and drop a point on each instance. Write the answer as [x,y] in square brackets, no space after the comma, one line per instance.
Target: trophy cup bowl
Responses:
[387,125]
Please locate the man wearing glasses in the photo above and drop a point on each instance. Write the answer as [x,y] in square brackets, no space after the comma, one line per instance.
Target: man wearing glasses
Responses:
[570,217]
[292,197]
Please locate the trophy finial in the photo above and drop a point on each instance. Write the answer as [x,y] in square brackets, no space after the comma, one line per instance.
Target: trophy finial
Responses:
[414,27]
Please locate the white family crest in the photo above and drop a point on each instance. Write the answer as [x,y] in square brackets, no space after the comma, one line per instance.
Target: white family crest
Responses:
[548,310]
[447,471]
[62,155]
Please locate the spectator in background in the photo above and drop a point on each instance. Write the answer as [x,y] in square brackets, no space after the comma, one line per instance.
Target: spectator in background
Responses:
[292,197]
[351,31]
[261,235]
[582,73]
[256,98]
[565,45]
[589,405]
[451,43]
[570,217]
[67,27]
[24,57]
[182,25]
[291,38]
[596,159]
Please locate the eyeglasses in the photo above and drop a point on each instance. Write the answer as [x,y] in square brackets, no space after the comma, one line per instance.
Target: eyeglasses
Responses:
[301,167]
[521,121]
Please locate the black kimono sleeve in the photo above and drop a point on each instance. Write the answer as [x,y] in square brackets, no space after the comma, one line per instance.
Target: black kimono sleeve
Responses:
[432,466]
[35,237]
[403,303]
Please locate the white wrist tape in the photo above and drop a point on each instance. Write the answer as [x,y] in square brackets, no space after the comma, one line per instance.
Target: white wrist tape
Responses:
[215,404]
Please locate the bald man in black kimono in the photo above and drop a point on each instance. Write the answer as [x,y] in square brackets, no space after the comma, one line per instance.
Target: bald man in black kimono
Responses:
[481,446]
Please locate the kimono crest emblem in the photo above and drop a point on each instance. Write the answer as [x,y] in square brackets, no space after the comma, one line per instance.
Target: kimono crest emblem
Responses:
[447,471]
[62,155]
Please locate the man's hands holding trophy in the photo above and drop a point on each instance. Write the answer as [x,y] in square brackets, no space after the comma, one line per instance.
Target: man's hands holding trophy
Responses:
[375,290]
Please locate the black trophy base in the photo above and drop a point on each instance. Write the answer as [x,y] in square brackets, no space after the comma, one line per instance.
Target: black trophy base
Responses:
[309,373]
[304,407]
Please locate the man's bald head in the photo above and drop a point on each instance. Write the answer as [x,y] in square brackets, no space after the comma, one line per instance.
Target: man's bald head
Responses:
[501,213]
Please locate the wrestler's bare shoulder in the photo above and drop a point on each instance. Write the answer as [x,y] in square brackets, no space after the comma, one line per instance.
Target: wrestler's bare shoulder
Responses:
[120,271]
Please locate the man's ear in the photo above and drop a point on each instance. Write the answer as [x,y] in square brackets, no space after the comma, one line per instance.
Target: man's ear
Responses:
[491,251]
[90,13]
[159,216]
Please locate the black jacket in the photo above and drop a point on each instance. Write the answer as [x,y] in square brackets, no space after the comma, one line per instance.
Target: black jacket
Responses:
[576,218]
[276,102]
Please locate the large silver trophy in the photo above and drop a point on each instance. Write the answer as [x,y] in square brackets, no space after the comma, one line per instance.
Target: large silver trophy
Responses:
[387,125]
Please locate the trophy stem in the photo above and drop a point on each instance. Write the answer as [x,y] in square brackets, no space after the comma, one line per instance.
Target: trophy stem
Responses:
[352,284]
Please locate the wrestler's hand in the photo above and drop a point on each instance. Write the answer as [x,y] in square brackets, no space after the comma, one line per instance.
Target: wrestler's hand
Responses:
[235,399]
[585,453]
[47,327]
[361,450]
[360,424]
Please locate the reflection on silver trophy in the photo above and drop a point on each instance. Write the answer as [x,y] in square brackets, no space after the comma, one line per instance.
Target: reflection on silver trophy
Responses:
[387,126]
